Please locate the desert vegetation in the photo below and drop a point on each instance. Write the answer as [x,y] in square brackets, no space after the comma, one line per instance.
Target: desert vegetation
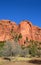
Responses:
[12,48]
[12,51]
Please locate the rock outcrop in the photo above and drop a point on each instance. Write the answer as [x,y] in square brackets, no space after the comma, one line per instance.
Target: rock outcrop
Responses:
[6,27]
[29,31]
[25,27]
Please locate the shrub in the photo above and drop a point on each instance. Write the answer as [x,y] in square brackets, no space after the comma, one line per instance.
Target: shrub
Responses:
[7,49]
[39,50]
[16,38]
[1,44]
[1,47]
[24,51]
[16,48]
[20,36]
[33,48]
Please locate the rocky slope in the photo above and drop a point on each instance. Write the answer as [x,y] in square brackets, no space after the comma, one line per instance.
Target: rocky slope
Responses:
[25,27]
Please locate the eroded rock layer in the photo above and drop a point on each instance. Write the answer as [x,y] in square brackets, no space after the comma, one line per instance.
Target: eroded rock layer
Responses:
[25,27]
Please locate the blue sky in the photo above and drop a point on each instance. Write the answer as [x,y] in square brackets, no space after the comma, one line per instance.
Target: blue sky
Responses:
[18,10]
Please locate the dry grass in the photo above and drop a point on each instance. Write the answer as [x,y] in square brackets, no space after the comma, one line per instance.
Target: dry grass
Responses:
[19,61]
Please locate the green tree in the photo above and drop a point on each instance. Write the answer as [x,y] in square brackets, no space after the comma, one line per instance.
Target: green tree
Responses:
[1,46]
[39,49]
[20,36]
[33,48]
[17,37]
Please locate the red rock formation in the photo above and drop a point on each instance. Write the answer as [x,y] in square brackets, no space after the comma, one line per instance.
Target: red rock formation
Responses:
[36,33]
[6,27]
[26,29]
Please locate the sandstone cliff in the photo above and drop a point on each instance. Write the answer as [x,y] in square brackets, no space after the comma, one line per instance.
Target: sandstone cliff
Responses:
[6,27]
[29,31]
[25,27]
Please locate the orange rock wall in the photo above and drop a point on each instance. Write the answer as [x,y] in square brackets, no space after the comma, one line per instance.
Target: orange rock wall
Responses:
[25,28]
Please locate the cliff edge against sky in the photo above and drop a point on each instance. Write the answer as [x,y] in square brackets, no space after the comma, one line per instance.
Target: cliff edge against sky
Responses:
[25,27]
